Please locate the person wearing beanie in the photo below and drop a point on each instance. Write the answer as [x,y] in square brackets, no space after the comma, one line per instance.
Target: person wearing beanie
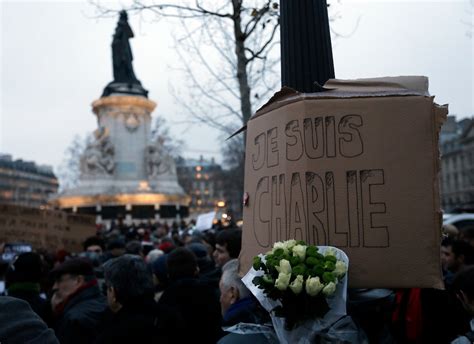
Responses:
[207,269]
[22,280]
[160,275]
[19,324]
[77,302]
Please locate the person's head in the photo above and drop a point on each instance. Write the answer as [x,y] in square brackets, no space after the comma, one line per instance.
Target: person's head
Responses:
[455,254]
[129,282]
[231,286]
[134,247]
[25,268]
[182,263]
[70,276]
[450,231]
[116,247]
[93,245]
[228,244]
[166,245]
[153,255]
[204,261]
[160,272]
[463,286]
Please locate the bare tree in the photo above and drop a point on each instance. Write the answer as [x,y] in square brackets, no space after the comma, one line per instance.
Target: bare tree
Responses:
[69,170]
[227,54]
[160,131]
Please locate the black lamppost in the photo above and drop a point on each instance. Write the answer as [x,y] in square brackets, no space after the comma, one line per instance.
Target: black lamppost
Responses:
[306,52]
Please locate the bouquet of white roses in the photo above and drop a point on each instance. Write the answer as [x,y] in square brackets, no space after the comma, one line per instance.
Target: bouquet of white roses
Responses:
[301,278]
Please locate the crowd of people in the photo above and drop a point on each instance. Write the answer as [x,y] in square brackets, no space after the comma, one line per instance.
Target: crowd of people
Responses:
[159,284]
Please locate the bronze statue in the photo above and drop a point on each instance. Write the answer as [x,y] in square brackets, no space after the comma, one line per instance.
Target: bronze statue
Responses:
[125,80]
[121,52]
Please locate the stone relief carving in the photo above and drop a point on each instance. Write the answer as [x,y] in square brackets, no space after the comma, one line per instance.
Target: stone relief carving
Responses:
[132,122]
[98,157]
[158,161]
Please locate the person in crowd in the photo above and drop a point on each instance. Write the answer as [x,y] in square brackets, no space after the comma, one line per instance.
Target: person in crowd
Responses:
[115,248]
[463,286]
[20,324]
[94,245]
[239,306]
[160,275]
[94,250]
[455,256]
[133,316]
[166,245]
[196,303]
[134,247]
[23,279]
[419,316]
[76,301]
[153,255]
[450,231]
[207,269]
[205,262]
[467,235]
[228,244]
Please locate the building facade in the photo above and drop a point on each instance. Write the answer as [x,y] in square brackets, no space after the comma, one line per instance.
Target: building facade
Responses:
[203,181]
[457,165]
[24,183]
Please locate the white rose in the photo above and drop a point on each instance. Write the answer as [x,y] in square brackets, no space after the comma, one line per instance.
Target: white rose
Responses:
[300,251]
[297,285]
[340,269]
[329,289]
[285,267]
[278,245]
[313,286]
[282,281]
[290,243]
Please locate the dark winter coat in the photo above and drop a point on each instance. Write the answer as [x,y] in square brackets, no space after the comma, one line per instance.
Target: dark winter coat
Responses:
[19,324]
[31,295]
[81,314]
[139,322]
[198,307]
[246,311]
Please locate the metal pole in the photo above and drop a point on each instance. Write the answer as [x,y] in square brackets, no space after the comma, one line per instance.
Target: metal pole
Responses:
[306,52]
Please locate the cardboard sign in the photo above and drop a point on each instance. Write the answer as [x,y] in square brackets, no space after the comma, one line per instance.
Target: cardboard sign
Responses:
[355,168]
[47,229]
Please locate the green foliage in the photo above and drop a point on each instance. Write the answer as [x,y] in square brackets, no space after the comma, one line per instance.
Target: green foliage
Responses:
[297,306]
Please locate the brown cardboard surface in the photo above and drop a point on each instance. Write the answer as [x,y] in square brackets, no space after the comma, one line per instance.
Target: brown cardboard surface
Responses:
[359,173]
[48,229]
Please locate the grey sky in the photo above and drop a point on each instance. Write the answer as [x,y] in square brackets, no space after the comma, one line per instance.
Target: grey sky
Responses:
[55,60]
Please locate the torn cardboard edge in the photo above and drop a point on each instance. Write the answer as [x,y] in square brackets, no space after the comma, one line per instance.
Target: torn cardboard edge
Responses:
[340,88]
[440,115]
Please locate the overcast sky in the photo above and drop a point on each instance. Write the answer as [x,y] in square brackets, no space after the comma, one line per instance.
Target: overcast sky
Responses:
[55,60]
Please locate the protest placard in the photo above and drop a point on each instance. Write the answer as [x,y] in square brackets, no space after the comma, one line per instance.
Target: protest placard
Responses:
[355,167]
[41,228]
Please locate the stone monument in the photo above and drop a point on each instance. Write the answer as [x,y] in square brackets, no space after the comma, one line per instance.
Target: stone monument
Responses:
[124,173]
